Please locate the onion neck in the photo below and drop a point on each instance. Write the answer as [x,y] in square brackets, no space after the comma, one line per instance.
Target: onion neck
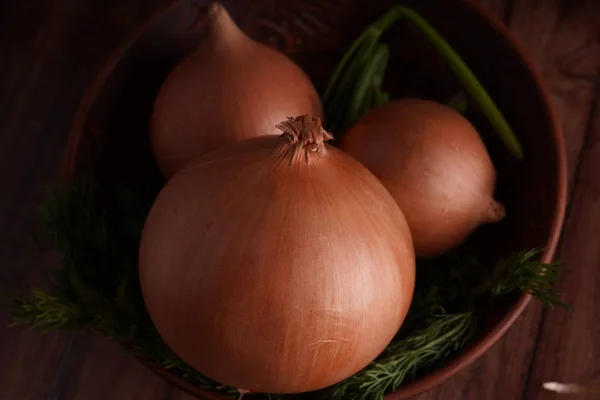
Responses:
[495,212]
[306,131]
[220,26]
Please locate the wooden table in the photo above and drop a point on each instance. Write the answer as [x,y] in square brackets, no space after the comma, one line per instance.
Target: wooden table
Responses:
[50,50]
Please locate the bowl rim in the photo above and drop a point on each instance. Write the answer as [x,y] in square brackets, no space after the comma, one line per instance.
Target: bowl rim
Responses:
[463,360]
[467,358]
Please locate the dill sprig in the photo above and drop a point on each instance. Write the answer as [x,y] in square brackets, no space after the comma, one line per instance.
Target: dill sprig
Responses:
[523,271]
[43,311]
[456,281]
[96,228]
[443,335]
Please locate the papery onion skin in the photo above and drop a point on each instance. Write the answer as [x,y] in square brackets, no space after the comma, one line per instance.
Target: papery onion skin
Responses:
[230,88]
[434,163]
[277,264]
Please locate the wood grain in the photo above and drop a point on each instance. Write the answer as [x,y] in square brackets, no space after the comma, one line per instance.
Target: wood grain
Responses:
[50,51]
[569,346]
[98,369]
[569,70]
[54,48]
[503,369]
[30,362]
[563,43]
[95,368]
[32,132]
[177,394]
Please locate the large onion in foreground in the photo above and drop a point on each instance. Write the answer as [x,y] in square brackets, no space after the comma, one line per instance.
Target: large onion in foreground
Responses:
[434,163]
[277,264]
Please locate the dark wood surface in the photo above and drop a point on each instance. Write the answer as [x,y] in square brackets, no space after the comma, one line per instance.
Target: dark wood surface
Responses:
[49,52]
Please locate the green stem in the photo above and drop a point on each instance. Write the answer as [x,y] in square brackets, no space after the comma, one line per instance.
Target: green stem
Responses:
[380,97]
[345,59]
[468,79]
[359,58]
[358,103]
[365,45]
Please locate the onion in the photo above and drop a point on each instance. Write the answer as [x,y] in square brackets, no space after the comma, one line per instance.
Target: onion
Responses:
[277,264]
[230,88]
[434,163]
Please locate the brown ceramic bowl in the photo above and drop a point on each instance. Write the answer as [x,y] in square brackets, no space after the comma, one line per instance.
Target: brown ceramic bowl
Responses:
[109,135]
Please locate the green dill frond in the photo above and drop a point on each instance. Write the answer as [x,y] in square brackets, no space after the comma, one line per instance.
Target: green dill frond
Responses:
[523,271]
[43,311]
[443,335]
[96,229]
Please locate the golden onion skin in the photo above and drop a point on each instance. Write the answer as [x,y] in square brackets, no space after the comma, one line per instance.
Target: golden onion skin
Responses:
[277,264]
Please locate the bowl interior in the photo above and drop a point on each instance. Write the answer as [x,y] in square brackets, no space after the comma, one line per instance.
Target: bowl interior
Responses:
[110,135]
